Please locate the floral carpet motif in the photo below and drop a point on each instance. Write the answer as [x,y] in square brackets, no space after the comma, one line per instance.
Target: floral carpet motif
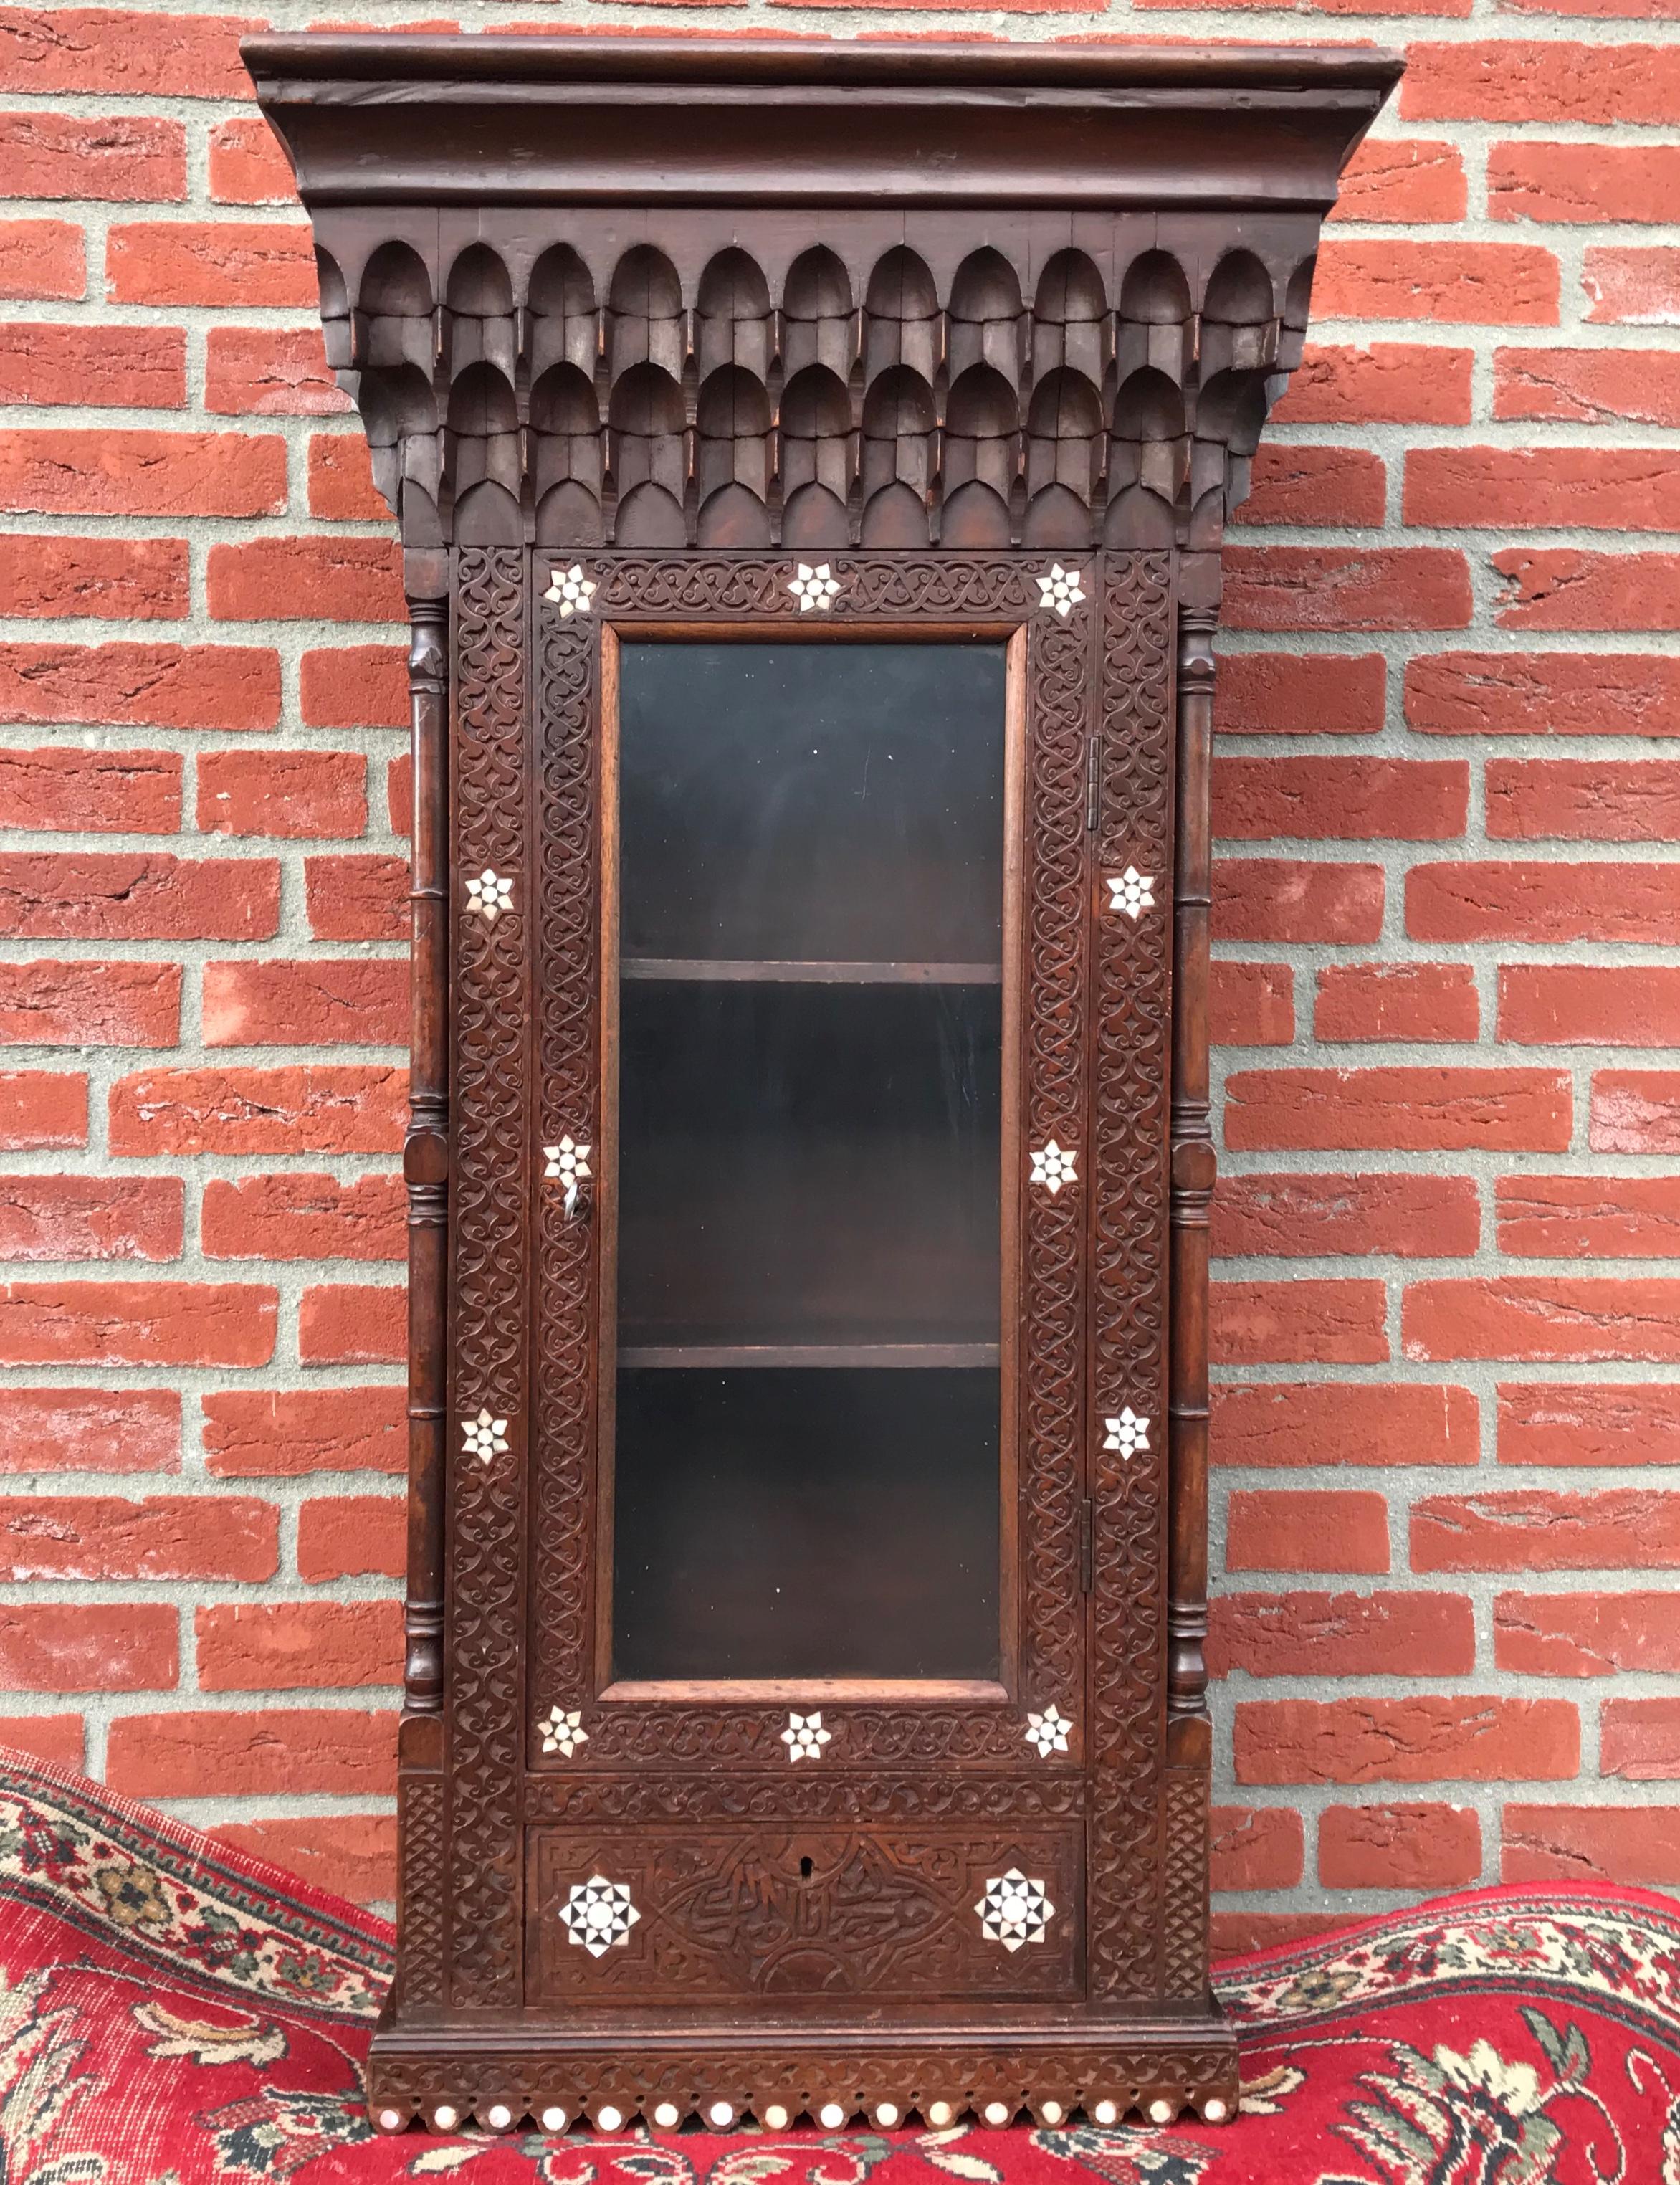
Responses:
[173,2013]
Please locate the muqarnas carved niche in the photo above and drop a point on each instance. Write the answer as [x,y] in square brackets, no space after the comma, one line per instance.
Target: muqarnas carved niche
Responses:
[632,405]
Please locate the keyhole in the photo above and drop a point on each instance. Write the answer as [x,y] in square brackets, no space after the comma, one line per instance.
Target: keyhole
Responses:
[805,1869]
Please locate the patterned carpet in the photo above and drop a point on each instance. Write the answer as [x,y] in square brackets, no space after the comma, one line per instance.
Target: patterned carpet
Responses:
[172,2013]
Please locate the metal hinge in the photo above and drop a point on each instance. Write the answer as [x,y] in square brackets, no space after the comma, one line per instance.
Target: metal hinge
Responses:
[1093,779]
[1086,1516]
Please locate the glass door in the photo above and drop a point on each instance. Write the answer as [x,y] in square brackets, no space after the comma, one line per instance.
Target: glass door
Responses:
[807,1441]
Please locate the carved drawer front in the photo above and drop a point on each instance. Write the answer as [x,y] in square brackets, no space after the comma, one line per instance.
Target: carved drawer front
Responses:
[636,1916]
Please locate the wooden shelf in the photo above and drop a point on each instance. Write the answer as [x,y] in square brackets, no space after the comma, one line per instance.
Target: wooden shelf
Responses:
[702,970]
[713,1356]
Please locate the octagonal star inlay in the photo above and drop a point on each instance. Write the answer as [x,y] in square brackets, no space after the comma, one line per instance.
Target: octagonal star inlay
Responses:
[598,1914]
[1014,1909]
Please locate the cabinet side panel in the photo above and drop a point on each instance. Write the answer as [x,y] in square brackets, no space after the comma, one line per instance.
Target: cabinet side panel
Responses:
[486,1453]
[1126,1415]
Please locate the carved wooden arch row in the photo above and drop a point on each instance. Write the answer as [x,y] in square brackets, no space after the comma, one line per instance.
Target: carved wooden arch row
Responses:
[576,408]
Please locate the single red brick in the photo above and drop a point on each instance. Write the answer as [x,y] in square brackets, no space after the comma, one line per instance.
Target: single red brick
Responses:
[1419,1109]
[353,1324]
[1248,1004]
[1422,1738]
[1474,901]
[288,795]
[114,473]
[399,795]
[1341,1634]
[1256,1848]
[1529,79]
[1290,694]
[233,1537]
[1277,1423]
[56,1739]
[291,1646]
[243,263]
[1568,588]
[50,895]
[1587,386]
[352,1855]
[1631,287]
[357,898]
[117,50]
[1602,489]
[354,686]
[265,1753]
[1579,182]
[317,1108]
[1340,799]
[1332,587]
[117,158]
[43,1107]
[1586,1635]
[91,1217]
[1552,1423]
[1635,1111]
[1608,1217]
[52,1646]
[1298,1323]
[1238,1934]
[154,686]
[312,579]
[1295,484]
[1399,1847]
[1405,178]
[1316,1530]
[45,1003]
[296,1215]
[135,367]
[1638,1846]
[321,1001]
[41,258]
[1280,899]
[136,580]
[246,164]
[1459,283]
[1534,1529]
[1584,800]
[1639,1739]
[66,787]
[1382,384]
[1542,693]
[155,1323]
[1657,10]
[252,1433]
[1295,1215]
[341,488]
[1542,1317]
[90,1430]
[1414,1002]
[270,371]
[351,1536]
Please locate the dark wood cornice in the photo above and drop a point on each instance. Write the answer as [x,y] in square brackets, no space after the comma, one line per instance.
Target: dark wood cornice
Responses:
[393,120]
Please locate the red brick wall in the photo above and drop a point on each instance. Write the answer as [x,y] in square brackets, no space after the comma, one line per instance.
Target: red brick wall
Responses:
[1448,1324]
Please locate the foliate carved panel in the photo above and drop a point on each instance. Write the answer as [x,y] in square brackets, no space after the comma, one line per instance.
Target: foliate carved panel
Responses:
[487,1290]
[1128,1277]
[876,1799]
[791,1912]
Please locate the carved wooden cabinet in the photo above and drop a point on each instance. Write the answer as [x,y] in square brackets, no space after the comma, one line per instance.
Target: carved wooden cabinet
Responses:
[811,466]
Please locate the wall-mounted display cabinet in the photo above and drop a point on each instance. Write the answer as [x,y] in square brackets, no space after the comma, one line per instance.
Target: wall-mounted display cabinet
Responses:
[811,466]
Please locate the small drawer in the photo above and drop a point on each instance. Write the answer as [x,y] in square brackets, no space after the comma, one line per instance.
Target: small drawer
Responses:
[639,1916]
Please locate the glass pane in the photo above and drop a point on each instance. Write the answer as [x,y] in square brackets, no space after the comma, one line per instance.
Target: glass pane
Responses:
[808,1144]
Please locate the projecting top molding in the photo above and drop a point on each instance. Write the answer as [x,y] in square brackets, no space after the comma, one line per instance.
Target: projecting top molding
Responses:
[372,119]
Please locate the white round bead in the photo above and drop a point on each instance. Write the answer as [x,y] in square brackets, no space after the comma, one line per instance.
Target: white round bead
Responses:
[390,2119]
[831,2117]
[1106,2113]
[667,2116]
[776,2117]
[996,2113]
[498,2116]
[721,2114]
[553,2118]
[1215,2110]
[444,2119]
[1050,2112]
[608,2119]
[1161,2112]
[886,2114]
[940,2114]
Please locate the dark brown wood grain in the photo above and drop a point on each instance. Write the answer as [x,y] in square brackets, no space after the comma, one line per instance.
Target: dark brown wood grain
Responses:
[958,324]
